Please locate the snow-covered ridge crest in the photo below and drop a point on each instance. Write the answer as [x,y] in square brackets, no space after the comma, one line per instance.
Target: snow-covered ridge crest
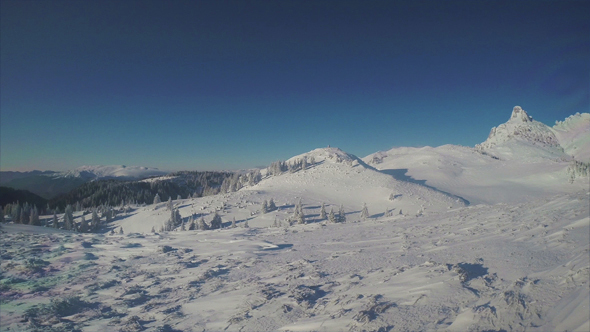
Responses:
[112,171]
[521,134]
[329,155]
[574,135]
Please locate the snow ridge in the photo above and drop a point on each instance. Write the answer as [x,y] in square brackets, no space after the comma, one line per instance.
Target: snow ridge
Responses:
[111,171]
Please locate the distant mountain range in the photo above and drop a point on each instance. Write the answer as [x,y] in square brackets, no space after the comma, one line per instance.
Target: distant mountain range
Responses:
[48,184]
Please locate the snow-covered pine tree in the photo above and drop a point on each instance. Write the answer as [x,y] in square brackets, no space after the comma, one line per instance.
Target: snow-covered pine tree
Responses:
[233,222]
[153,229]
[245,225]
[68,218]
[121,231]
[264,208]
[332,217]
[202,224]
[157,199]
[83,225]
[169,204]
[364,212]
[271,205]
[177,218]
[323,212]
[178,198]
[55,220]
[341,214]
[216,221]
[95,220]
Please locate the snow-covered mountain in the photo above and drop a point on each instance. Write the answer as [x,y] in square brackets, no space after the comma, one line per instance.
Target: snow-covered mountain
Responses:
[522,138]
[112,171]
[521,160]
[48,184]
[444,264]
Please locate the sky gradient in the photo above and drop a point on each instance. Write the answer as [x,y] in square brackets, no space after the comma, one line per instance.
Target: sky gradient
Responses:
[203,85]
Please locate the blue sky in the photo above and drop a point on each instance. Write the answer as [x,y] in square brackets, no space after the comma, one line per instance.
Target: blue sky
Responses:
[236,84]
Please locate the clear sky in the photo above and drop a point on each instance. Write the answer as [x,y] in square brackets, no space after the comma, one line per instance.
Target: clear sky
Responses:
[204,85]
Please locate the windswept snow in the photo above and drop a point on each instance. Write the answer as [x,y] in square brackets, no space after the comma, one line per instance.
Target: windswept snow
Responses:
[521,267]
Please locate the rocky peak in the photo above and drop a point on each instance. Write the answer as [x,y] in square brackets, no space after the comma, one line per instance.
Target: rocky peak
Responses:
[519,114]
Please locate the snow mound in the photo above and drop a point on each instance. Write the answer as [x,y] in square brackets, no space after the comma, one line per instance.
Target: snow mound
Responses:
[112,171]
[522,137]
[574,135]
[330,155]
[478,176]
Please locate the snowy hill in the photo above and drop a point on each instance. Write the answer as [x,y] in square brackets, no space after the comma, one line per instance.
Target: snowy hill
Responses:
[334,178]
[112,171]
[521,160]
[574,136]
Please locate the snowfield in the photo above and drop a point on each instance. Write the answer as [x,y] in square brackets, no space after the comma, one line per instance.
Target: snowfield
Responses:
[492,238]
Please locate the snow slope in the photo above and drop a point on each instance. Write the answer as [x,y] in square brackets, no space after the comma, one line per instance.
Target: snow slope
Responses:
[512,267]
[574,136]
[521,160]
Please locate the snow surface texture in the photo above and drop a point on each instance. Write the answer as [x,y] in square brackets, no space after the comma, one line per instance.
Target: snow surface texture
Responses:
[429,256]
[521,267]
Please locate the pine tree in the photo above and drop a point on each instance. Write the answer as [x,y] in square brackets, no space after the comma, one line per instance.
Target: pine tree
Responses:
[34,217]
[216,221]
[68,218]
[341,214]
[178,198]
[332,216]
[365,211]
[202,224]
[323,211]
[121,231]
[157,199]
[55,220]
[169,204]
[264,208]
[182,228]
[233,222]
[153,229]
[95,221]
[83,225]
[245,225]
[271,205]
[1,214]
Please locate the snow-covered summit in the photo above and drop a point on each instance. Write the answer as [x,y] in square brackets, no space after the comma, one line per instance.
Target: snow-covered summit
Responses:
[522,137]
[112,171]
[329,155]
